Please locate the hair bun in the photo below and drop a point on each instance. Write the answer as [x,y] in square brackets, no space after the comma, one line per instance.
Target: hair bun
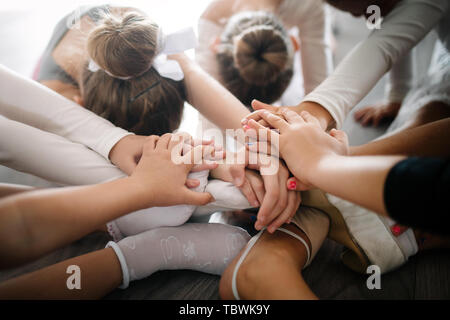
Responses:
[124,46]
[260,54]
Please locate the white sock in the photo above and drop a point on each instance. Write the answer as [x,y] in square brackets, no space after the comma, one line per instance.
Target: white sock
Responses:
[156,217]
[205,247]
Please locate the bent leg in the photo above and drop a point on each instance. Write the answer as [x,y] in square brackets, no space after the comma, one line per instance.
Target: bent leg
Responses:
[270,266]
[271,270]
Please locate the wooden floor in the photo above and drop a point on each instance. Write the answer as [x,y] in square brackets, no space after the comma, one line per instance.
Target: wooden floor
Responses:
[426,276]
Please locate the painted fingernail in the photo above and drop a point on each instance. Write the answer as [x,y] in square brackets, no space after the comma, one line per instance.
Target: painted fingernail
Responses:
[292,185]
[246,127]
[396,230]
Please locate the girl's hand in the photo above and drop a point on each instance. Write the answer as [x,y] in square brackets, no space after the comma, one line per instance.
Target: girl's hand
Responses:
[128,151]
[265,189]
[324,117]
[248,181]
[302,143]
[279,204]
[377,114]
[161,174]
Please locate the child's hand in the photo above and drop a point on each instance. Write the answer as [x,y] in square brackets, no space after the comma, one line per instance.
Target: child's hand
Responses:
[161,174]
[128,150]
[377,114]
[302,143]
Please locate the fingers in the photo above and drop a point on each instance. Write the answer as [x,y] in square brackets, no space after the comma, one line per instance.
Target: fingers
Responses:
[339,135]
[397,230]
[192,183]
[257,183]
[283,209]
[274,120]
[150,143]
[362,112]
[294,184]
[238,174]
[249,193]
[268,207]
[291,116]
[288,213]
[258,105]
[196,198]
[163,142]
[198,155]
[263,147]
[205,166]
[309,118]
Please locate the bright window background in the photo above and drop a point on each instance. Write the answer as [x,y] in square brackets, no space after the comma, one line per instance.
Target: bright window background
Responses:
[26,26]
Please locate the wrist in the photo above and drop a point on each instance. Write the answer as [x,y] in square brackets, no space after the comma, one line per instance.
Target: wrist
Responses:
[142,196]
[318,171]
[318,111]
[116,151]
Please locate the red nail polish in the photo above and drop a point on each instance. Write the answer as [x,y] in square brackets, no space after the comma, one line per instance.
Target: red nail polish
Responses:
[246,127]
[396,230]
[292,185]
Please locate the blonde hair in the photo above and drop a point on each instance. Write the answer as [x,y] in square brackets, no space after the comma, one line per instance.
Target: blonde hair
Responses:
[124,48]
[255,57]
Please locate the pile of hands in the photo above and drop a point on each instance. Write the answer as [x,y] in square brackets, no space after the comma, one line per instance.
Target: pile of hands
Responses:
[296,142]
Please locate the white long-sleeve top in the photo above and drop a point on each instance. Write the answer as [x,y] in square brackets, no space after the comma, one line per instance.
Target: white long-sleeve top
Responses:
[28,102]
[357,74]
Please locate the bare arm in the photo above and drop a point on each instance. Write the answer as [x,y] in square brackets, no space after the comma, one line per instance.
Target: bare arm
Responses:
[432,139]
[100,273]
[209,97]
[357,179]
[40,221]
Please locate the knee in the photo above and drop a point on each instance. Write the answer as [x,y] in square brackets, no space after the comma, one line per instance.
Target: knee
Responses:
[252,274]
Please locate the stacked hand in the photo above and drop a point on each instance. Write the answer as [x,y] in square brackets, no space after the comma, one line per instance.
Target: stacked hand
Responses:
[265,189]
[160,176]
[301,140]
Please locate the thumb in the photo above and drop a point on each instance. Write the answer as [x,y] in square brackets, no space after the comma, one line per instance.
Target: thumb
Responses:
[197,198]
[129,165]
[258,105]
[238,174]
[339,135]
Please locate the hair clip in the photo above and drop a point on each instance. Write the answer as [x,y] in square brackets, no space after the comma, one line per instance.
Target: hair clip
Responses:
[144,92]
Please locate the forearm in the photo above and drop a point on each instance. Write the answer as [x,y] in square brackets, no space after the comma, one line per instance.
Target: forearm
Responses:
[100,273]
[432,139]
[357,179]
[41,221]
[52,157]
[31,103]
[210,98]
[7,189]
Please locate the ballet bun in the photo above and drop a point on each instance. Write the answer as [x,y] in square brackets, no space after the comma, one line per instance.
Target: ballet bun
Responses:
[260,54]
[123,46]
